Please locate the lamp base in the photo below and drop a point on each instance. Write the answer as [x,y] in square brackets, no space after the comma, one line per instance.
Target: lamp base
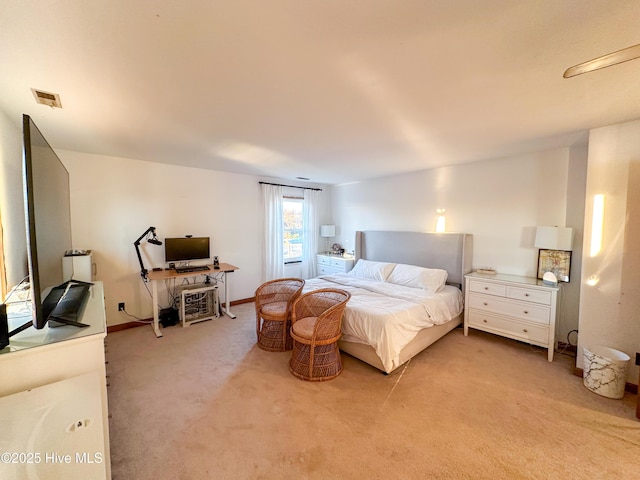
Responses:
[550,279]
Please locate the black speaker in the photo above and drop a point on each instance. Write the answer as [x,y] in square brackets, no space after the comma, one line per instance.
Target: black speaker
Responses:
[4,326]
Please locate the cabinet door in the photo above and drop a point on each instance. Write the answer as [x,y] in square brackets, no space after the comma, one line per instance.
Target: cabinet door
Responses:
[58,428]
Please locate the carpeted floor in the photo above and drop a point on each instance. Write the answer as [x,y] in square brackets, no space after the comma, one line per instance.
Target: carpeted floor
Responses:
[205,403]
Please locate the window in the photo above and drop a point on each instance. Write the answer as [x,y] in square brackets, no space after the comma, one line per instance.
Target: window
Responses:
[293,229]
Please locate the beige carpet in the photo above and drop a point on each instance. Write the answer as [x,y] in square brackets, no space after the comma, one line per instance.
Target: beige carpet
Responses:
[205,403]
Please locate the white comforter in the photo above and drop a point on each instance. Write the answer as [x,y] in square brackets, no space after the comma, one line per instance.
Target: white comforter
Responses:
[388,316]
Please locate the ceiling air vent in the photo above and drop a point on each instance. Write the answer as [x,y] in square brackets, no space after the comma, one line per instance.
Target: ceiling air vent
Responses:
[47,98]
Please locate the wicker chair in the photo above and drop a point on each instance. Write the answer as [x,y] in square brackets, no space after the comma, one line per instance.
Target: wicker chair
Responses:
[273,313]
[316,321]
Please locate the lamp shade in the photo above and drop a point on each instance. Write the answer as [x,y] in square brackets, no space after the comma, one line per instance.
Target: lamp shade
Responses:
[554,238]
[327,231]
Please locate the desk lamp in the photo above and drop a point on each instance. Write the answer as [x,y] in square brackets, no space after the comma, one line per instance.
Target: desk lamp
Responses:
[153,240]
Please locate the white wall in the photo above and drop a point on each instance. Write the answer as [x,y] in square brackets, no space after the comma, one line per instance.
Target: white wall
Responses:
[114,200]
[610,302]
[14,234]
[570,298]
[499,201]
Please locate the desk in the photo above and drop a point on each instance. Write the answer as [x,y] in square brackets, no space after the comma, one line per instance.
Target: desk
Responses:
[217,274]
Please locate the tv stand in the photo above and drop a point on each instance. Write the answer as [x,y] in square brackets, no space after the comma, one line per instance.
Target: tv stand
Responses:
[42,358]
[68,307]
[64,321]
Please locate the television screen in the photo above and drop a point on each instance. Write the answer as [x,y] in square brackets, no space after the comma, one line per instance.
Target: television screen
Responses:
[184,249]
[47,198]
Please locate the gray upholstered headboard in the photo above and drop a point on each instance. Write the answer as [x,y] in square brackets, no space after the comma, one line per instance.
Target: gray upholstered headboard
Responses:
[452,252]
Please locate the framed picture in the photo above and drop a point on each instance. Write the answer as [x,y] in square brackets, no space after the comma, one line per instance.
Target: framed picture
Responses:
[556,261]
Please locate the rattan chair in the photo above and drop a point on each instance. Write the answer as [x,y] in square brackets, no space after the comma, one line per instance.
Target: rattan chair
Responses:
[273,313]
[316,321]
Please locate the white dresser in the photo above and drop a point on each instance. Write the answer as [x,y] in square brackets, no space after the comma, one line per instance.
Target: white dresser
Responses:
[522,308]
[62,371]
[328,264]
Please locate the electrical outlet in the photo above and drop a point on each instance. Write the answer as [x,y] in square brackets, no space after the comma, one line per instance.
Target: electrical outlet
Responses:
[121,306]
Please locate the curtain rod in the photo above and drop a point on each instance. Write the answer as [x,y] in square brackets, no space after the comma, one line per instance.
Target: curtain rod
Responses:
[291,186]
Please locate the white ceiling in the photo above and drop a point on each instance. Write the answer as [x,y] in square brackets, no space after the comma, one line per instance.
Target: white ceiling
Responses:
[332,90]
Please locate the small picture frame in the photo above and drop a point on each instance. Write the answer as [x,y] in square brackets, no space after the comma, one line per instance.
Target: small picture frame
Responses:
[556,261]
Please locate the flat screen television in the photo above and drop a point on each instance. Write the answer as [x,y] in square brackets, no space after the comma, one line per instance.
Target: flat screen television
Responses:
[48,220]
[185,249]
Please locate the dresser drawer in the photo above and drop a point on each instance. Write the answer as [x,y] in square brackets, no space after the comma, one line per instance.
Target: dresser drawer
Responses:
[337,262]
[333,264]
[521,331]
[488,288]
[327,270]
[324,260]
[524,311]
[529,295]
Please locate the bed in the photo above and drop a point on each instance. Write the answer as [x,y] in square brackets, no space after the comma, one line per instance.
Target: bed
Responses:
[400,303]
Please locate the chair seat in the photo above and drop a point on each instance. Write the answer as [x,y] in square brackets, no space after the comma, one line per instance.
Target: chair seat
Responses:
[304,327]
[274,311]
[273,301]
[316,318]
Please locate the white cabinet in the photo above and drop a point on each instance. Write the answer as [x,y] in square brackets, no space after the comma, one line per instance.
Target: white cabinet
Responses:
[79,267]
[522,308]
[37,358]
[330,264]
[54,431]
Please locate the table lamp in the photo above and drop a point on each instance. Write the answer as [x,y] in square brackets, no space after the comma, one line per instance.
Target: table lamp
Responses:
[327,232]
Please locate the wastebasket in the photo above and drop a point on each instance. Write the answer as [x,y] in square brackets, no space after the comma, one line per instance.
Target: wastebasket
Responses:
[605,370]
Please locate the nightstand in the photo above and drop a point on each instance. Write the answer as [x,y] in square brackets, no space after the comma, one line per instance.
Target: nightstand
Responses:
[329,264]
[521,308]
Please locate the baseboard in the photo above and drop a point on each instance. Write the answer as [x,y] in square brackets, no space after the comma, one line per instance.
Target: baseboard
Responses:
[565,347]
[628,387]
[128,325]
[243,300]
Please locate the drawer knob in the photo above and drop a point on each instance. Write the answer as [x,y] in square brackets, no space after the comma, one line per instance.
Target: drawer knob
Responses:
[525,330]
[484,320]
[526,312]
[485,304]
[526,294]
[486,288]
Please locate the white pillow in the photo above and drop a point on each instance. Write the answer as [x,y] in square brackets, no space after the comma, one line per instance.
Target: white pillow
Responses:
[372,270]
[431,279]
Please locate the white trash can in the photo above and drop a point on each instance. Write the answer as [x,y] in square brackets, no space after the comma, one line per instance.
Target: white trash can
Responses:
[605,370]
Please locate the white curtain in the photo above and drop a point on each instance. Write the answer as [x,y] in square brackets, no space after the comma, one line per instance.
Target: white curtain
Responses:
[311,229]
[273,263]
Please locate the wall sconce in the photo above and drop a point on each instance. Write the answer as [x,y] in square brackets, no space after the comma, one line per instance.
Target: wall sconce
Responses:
[327,232]
[597,224]
[441,221]
[554,257]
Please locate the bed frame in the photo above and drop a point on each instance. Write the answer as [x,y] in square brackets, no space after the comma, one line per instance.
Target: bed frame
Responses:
[449,251]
